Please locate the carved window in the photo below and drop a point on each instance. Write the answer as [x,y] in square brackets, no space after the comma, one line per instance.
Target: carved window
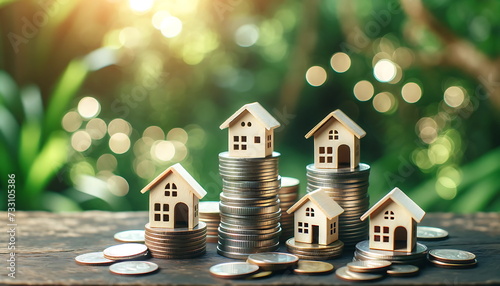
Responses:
[389,215]
[310,212]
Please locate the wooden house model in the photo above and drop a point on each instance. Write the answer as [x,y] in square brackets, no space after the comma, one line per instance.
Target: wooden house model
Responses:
[393,222]
[251,132]
[336,142]
[173,199]
[316,217]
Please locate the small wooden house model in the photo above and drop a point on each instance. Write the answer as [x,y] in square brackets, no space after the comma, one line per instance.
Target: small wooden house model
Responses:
[251,132]
[336,142]
[173,199]
[316,217]
[393,222]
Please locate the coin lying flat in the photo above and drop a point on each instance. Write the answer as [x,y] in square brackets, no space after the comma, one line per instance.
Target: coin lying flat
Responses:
[133,267]
[130,236]
[273,260]
[452,255]
[259,275]
[369,266]
[453,265]
[401,270]
[93,258]
[431,233]
[345,274]
[309,267]
[125,251]
[233,270]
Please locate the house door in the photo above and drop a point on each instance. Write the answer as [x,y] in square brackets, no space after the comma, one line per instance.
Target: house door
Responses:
[181,215]
[400,239]
[315,234]
[344,156]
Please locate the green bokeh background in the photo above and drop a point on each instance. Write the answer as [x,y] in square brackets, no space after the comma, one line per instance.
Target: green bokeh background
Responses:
[54,53]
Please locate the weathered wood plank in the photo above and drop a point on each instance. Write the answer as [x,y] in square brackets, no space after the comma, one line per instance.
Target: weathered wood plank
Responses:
[47,244]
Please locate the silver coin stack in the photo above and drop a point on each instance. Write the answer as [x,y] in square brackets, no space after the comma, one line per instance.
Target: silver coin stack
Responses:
[249,205]
[416,257]
[176,243]
[288,195]
[210,214]
[349,188]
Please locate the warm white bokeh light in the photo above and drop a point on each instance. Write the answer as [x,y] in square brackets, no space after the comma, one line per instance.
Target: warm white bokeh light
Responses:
[383,102]
[171,27]
[411,92]
[141,5]
[71,121]
[246,35]
[178,134]
[363,90]
[154,132]
[118,186]
[158,18]
[163,150]
[119,143]
[81,141]
[384,70]
[89,107]
[340,62]
[96,127]
[454,96]
[316,76]
[119,125]
[106,162]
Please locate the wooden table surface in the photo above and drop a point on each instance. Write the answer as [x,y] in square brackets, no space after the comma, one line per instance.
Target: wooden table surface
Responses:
[47,243]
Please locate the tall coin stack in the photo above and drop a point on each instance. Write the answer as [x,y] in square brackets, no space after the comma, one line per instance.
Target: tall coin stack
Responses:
[210,214]
[249,205]
[176,243]
[349,188]
[288,195]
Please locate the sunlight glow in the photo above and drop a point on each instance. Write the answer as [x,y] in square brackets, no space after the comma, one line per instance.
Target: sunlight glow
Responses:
[384,70]
[141,5]
[316,76]
[171,27]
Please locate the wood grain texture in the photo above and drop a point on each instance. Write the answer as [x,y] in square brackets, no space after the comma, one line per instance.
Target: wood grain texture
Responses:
[47,244]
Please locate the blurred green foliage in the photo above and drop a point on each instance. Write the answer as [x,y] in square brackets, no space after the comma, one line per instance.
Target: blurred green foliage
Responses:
[98,97]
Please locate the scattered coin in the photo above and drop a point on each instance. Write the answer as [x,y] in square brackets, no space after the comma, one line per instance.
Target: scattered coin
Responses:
[233,270]
[431,233]
[273,261]
[133,267]
[453,265]
[310,267]
[125,251]
[93,258]
[130,236]
[401,270]
[452,255]
[345,274]
[259,275]
[369,266]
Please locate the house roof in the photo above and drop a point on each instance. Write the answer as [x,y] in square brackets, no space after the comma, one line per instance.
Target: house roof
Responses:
[344,120]
[400,198]
[179,170]
[320,198]
[264,117]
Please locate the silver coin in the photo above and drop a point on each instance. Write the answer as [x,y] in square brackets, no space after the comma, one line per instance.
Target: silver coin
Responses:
[452,255]
[345,274]
[273,260]
[309,267]
[201,227]
[124,251]
[133,267]
[431,233]
[233,270]
[364,248]
[247,250]
[130,236]
[369,266]
[209,207]
[402,270]
[443,264]
[289,182]
[93,258]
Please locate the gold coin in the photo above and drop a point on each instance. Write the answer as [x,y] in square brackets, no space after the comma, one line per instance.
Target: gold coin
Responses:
[345,274]
[260,275]
[313,267]
[369,266]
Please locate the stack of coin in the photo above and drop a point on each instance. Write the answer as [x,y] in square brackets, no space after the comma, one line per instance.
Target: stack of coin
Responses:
[416,257]
[249,205]
[315,251]
[176,243]
[288,195]
[210,214]
[349,188]
[452,258]
[273,261]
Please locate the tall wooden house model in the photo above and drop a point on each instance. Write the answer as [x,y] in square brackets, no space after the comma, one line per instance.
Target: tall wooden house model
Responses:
[316,217]
[393,222]
[173,199]
[251,132]
[336,142]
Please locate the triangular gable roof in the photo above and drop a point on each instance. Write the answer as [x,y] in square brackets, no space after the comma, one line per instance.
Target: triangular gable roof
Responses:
[264,117]
[179,170]
[320,198]
[400,198]
[344,120]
